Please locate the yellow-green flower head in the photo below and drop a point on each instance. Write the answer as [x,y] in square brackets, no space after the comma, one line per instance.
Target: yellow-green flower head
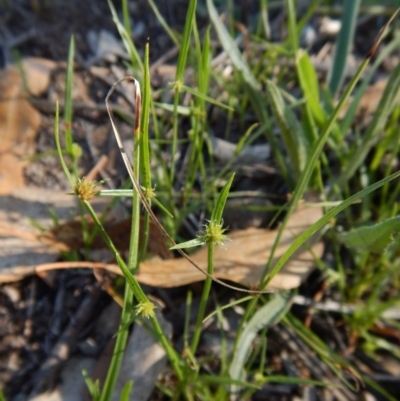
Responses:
[85,189]
[214,233]
[145,309]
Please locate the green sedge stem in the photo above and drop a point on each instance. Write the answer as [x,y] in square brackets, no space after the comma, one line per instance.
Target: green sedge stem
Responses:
[204,299]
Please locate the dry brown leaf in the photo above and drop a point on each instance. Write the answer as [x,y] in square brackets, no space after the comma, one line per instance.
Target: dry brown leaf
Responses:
[244,258]
[242,261]
[37,73]
[19,121]
[68,236]
[21,247]
[19,244]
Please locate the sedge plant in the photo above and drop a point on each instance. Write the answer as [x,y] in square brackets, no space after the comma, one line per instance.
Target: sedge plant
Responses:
[305,140]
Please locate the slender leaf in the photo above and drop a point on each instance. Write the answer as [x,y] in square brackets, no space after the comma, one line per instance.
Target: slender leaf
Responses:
[68,97]
[292,26]
[164,23]
[300,240]
[387,103]
[220,203]
[230,47]
[343,45]
[348,120]
[292,131]
[125,393]
[126,39]
[311,163]
[180,69]
[189,244]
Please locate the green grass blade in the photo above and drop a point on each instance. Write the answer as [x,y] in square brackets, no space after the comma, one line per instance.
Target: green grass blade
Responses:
[230,47]
[301,239]
[144,146]
[220,203]
[343,45]
[206,98]
[184,48]
[68,97]
[59,149]
[144,126]
[291,130]
[164,23]
[311,163]
[229,305]
[227,381]
[179,76]
[243,140]
[125,16]
[348,120]
[386,105]
[125,393]
[135,59]
[292,26]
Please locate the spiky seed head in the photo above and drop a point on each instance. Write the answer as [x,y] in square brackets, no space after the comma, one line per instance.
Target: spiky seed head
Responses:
[145,309]
[85,189]
[214,233]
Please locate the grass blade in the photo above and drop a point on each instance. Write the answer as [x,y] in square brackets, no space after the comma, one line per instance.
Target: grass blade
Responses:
[220,203]
[230,47]
[327,217]
[292,132]
[313,158]
[180,70]
[343,45]
[386,105]
[68,97]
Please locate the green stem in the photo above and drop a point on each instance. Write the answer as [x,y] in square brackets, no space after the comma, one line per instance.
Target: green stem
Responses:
[204,299]
[118,354]
[139,294]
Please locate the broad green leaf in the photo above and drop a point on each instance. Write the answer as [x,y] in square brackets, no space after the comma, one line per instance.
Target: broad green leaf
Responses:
[375,238]
[309,85]
[266,316]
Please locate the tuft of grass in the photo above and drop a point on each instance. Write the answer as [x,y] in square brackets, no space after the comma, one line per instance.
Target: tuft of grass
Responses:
[311,136]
